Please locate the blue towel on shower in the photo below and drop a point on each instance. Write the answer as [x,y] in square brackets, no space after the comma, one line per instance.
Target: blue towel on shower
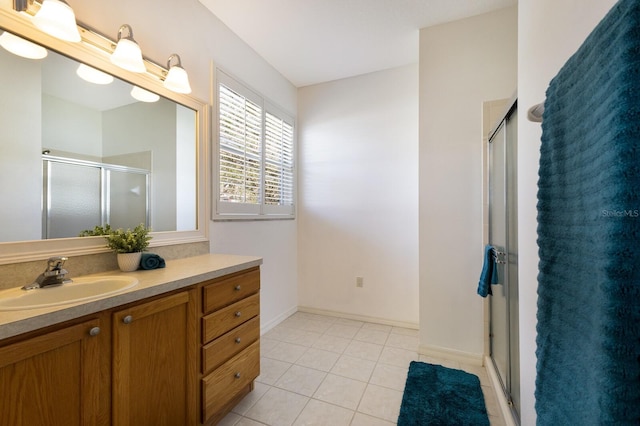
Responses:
[489,274]
[151,261]
[588,329]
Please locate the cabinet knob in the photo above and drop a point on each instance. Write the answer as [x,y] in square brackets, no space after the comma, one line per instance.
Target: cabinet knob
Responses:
[238,340]
[127,319]
[237,288]
[237,375]
[238,313]
[94,331]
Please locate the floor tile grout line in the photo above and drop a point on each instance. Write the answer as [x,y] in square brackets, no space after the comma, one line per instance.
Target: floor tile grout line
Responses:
[356,410]
[379,362]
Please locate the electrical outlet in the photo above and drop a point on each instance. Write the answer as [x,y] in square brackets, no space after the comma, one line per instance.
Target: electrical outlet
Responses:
[359,282]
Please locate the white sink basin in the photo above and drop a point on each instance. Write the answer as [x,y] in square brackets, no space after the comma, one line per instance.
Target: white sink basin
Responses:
[81,289]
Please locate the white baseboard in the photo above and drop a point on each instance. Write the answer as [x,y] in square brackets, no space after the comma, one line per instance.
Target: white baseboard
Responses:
[451,354]
[500,396]
[277,320]
[364,318]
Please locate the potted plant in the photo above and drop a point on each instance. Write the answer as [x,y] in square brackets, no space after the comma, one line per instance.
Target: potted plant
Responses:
[127,244]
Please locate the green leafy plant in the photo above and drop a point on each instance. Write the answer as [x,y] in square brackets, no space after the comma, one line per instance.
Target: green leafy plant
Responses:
[120,240]
[96,231]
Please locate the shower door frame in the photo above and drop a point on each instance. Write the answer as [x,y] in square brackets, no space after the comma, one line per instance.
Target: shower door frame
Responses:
[105,187]
[508,257]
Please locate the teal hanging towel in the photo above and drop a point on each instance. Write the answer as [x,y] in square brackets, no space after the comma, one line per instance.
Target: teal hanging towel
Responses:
[489,274]
[588,330]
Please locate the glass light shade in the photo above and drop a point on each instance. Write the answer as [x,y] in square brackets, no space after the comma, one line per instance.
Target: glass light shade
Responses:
[93,75]
[142,95]
[177,80]
[128,56]
[56,18]
[21,47]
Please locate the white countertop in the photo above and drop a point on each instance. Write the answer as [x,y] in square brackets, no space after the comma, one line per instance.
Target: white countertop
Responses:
[177,274]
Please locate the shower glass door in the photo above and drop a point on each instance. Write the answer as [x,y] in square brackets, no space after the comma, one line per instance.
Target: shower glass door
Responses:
[503,236]
[71,199]
[79,195]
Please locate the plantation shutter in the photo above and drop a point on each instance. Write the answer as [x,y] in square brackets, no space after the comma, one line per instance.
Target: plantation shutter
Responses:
[278,167]
[255,155]
[240,121]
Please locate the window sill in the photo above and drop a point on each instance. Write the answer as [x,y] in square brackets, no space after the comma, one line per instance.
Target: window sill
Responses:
[249,217]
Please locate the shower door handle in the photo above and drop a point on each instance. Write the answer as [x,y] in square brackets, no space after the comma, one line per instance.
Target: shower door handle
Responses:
[500,257]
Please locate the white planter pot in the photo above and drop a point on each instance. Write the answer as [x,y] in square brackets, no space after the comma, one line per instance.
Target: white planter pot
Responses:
[129,262]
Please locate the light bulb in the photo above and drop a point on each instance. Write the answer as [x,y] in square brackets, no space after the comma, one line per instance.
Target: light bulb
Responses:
[177,79]
[143,95]
[93,75]
[21,47]
[56,18]
[127,54]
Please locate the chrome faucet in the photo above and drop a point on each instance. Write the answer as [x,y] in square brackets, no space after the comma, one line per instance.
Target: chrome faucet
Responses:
[54,275]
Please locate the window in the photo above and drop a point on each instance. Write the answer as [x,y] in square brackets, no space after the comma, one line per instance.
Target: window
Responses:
[255,166]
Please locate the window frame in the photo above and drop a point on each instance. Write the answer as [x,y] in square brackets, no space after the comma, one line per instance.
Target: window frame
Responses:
[231,211]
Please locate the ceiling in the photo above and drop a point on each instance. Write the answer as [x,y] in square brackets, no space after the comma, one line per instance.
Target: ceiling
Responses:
[314,41]
[59,79]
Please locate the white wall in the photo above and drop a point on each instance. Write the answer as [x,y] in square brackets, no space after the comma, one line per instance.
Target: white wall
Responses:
[357,179]
[275,242]
[462,64]
[549,32]
[163,27]
[186,196]
[148,127]
[70,127]
[20,151]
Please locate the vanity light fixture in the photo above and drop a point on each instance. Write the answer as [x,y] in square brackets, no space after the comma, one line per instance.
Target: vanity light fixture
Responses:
[127,54]
[124,52]
[56,18]
[142,95]
[177,79]
[21,47]
[93,75]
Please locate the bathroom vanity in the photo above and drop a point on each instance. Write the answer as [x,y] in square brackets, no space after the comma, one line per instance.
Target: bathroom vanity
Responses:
[182,347]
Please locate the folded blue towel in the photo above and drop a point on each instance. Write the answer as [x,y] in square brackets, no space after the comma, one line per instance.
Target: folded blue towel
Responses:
[151,261]
[489,274]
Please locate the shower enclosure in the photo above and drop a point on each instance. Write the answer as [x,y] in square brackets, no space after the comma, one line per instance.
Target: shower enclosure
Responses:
[503,236]
[79,195]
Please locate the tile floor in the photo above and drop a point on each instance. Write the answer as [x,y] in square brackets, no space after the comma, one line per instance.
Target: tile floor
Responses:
[321,370]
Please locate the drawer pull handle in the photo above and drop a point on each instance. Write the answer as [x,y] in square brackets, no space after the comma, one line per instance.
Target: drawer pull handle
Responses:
[127,319]
[237,375]
[238,314]
[94,331]
[238,340]
[237,288]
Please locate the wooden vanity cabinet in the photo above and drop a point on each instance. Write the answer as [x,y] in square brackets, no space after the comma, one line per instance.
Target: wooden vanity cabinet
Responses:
[154,362]
[54,378]
[183,358]
[230,342]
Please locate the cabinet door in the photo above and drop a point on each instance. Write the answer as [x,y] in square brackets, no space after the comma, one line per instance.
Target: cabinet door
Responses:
[52,379]
[154,362]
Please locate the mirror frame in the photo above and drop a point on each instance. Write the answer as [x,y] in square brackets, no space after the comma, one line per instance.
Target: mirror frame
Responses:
[20,24]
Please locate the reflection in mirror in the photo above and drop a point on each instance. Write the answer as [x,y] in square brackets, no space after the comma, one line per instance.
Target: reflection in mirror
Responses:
[75,154]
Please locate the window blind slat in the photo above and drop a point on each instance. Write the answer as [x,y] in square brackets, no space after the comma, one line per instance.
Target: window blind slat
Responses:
[248,136]
[240,145]
[278,161]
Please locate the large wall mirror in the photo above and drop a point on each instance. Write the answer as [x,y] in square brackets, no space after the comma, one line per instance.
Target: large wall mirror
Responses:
[75,154]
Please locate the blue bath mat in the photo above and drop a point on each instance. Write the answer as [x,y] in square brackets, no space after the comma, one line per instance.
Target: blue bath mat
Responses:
[437,396]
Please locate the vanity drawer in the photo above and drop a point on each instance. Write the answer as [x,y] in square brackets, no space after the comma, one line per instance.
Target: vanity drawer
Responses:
[229,290]
[220,322]
[221,386]
[226,346]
